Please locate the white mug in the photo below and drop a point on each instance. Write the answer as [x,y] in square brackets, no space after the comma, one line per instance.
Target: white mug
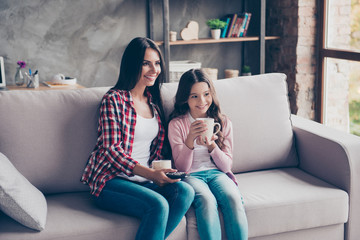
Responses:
[161,164]
[210,125]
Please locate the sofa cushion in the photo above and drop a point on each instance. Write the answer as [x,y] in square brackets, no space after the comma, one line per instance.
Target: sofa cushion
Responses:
[285,200]
[259,110]
[48,135]
[19,199]
[74,216]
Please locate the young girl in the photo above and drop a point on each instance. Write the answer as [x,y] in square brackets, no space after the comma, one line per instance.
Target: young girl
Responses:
[131,135]
[208,161]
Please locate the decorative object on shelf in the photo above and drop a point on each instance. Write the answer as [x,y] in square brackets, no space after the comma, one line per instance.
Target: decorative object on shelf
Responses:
[177,68]
[212,73]
[19,77]
[62,80]
[172,36]
[216,25]
[230,73]
[215,33]
[191,32]
[32,79]
[58,77]
[246,70]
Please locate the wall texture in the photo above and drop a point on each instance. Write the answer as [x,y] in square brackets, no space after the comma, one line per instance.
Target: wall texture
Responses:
[83,39]
[86,38]
[295,52]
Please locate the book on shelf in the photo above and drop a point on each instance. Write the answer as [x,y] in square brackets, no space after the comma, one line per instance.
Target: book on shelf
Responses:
[224,30]
[231,27]
[239,23]
[236,25]
[242,27]
[247,24]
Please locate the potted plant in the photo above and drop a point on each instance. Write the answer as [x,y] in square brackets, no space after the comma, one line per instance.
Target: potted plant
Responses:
[246,70]
[215,25]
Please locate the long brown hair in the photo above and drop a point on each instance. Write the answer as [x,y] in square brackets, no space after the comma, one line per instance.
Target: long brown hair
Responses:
[131,67]
[130,72]
[187,80]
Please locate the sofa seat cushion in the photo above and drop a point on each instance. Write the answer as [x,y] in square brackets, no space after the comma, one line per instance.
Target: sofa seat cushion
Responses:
[73,216]
[285,200]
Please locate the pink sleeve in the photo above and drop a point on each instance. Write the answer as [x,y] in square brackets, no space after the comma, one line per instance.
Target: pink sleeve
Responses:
[223,157]
[182,155]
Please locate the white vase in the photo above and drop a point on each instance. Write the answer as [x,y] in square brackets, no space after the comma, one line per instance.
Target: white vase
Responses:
[215,33]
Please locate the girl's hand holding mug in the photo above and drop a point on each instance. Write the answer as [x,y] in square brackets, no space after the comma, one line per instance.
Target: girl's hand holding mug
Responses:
[205,141]
[196,129]
[208,136]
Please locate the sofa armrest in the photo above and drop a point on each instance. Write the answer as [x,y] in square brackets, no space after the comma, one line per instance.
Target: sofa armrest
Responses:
[334,157]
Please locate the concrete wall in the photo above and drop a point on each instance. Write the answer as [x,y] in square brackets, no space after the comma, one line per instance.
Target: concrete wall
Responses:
[86,38]
[83,38]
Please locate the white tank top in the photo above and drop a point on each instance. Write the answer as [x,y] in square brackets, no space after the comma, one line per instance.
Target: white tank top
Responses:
[146,129]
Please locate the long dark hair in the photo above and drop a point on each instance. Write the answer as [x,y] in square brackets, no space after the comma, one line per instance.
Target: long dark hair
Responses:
[130,73]
[187,80]
[131,67]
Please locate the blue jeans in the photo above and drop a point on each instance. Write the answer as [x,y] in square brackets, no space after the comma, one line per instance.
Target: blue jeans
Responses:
[214,189]
[159,208]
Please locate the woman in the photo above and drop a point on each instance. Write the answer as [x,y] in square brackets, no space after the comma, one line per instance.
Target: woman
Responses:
[208,161]
[130,136]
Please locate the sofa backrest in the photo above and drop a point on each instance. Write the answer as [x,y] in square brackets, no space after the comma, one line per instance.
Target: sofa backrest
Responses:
[48,135]
[259,110]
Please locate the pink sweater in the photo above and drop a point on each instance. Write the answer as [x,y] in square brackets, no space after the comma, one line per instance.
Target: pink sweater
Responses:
[183,156]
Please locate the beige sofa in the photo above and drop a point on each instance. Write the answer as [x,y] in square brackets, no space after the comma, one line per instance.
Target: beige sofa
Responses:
[299,179]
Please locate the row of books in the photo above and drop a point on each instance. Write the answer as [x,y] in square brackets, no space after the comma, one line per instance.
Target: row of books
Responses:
[236,25]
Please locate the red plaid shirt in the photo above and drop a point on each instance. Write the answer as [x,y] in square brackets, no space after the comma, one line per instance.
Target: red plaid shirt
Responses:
[112,153]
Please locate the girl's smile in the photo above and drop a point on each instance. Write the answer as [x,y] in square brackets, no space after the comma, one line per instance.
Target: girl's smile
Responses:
[200,100]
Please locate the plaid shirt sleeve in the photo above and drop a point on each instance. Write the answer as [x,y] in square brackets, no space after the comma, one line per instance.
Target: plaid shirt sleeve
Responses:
[117,128]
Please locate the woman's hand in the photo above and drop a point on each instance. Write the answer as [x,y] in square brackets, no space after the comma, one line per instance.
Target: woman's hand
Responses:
[157,176]
[196,128]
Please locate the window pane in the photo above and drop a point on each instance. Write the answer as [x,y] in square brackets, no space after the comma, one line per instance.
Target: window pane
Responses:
[343,25]
[342,95]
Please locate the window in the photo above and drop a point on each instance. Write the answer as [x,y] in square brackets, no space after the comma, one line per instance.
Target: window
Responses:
[339,89]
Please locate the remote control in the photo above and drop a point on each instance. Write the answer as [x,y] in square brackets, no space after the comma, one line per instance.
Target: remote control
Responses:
[176,175]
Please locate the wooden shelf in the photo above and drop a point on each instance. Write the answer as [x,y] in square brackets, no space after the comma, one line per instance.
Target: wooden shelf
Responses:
[221,40]
[261,38]
[43,87]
